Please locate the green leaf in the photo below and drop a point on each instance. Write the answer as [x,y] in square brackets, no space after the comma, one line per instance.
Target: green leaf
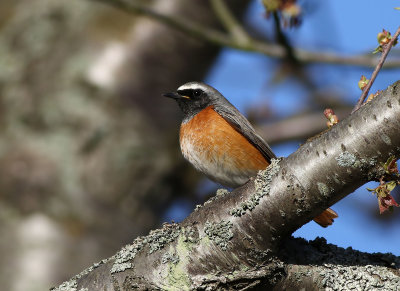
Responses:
[391,185]
[377,50]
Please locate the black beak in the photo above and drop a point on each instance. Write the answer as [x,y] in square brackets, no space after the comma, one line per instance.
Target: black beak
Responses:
[172,95]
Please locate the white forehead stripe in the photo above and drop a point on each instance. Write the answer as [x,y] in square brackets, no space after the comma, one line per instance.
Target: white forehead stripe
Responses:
[191,86]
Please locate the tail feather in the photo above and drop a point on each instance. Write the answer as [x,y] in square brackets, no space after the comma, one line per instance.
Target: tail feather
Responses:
[326,218]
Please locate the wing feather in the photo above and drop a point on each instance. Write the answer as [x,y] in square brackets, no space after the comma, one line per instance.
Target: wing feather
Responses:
[242,125]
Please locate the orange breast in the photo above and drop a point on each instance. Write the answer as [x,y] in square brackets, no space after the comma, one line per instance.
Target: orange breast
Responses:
[217,149]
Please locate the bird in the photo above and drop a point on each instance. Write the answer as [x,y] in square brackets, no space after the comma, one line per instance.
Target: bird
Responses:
[220,142]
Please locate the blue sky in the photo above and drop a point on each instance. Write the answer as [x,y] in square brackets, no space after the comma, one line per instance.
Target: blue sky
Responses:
[346,27]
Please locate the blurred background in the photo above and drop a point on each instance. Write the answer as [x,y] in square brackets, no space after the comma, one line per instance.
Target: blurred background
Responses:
[89,154]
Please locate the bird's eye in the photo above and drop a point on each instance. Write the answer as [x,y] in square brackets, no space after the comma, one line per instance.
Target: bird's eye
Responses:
[197,93]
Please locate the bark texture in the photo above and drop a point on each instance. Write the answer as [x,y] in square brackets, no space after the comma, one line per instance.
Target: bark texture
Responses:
[239,240]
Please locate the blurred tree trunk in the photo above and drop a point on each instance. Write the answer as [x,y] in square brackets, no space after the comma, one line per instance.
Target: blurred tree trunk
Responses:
[87,142]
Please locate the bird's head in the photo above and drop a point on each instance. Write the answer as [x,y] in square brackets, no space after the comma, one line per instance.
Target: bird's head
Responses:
[192,97]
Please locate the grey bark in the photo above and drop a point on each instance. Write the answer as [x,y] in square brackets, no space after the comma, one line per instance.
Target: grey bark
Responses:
[240,240]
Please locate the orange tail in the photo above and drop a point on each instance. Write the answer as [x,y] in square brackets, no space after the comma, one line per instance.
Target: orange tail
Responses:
[326,218]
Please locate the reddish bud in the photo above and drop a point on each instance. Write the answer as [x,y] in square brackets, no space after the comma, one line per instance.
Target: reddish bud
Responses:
[385,200]
[331,116]
[386,203]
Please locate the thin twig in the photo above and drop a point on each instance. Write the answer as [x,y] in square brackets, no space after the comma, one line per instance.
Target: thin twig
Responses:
[222,39]
[282,39]
[297,127]
[386,50]
[185,25]
[229,21]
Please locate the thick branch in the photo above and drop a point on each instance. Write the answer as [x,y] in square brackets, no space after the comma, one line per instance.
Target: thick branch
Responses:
[222,39]
[244,230]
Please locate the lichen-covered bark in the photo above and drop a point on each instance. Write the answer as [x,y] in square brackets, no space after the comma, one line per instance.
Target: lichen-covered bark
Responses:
[317,265]
[240,236]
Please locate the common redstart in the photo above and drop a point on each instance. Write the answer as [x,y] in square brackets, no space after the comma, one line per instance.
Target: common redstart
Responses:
[220,142]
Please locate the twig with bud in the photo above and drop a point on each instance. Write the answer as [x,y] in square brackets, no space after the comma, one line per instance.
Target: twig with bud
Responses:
[387,183]
[386,42]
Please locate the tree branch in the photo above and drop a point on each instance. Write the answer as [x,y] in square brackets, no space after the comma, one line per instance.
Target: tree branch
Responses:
[242,232]
[298,127]
[382,59]
[282,39]
[229,21]
[222,39]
